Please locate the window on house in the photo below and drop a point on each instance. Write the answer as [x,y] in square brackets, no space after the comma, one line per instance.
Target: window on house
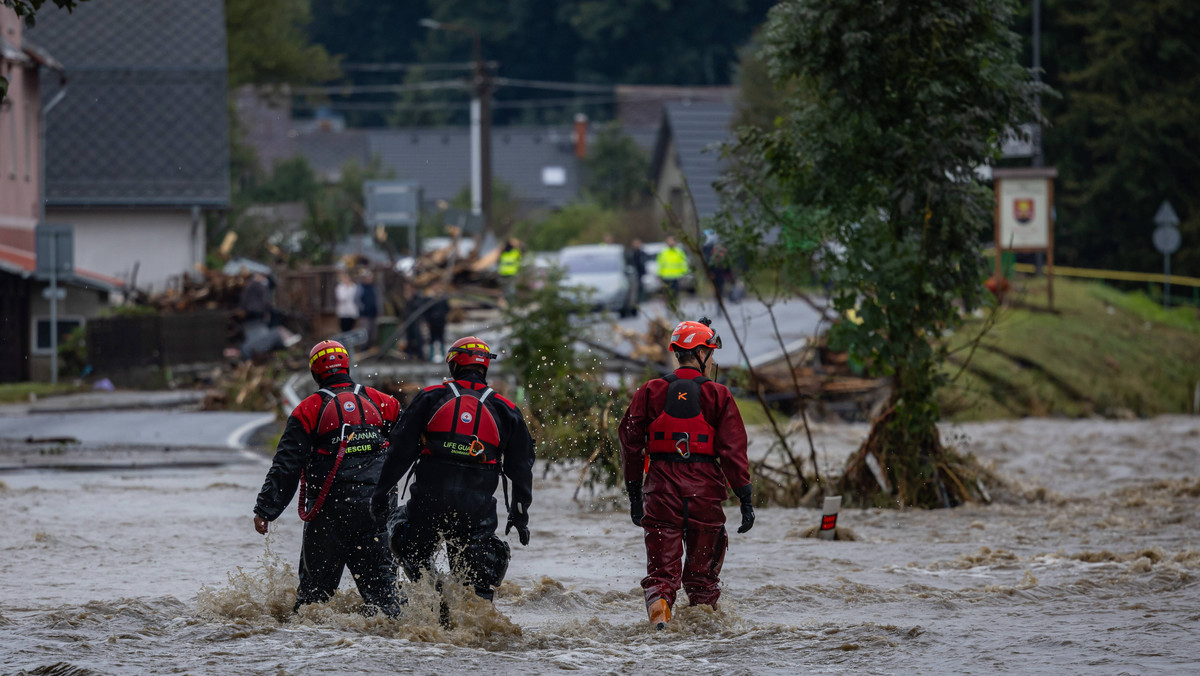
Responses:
[5,111]
[676,201]
[12,142]
[554,176]
[29,112]
[41,343]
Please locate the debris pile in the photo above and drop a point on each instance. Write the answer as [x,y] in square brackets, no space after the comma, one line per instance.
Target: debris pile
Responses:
[826,377]
[207,290]
[468,275]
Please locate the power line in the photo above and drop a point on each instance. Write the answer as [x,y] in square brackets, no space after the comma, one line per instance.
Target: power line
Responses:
[557,102]
[350,90]
[551,85]
[396,66]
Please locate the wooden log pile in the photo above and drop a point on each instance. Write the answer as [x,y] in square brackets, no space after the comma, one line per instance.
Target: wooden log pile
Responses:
[467,275]
[208,290]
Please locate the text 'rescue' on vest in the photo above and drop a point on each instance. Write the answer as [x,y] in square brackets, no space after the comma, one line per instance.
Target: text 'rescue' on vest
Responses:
[680,433]
[348,423]
[463,431]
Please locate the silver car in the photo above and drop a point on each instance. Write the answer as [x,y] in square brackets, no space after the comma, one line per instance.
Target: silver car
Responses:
[601,270]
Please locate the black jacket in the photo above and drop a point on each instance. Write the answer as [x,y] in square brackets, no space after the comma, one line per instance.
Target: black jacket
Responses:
[447,485]
[297,452]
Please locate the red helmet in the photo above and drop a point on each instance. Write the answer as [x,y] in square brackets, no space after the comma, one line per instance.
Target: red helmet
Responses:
[689,335]
[469,350]
[326,357]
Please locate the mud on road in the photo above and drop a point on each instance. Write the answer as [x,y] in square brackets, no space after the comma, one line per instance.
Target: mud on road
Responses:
[1088,563]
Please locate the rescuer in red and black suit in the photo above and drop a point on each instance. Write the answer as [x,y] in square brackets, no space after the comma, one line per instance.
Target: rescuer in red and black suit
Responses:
[684,434]
[463,438]
[333,448]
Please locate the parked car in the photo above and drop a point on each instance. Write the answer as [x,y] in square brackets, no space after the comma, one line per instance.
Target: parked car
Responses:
[651,282]
[601,269]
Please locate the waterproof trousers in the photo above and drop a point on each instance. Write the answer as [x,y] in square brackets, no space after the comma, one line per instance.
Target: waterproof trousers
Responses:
[477,556]
[685,542]
[345,535]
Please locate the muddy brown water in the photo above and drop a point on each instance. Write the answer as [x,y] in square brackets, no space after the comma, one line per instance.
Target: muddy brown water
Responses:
[1088,563]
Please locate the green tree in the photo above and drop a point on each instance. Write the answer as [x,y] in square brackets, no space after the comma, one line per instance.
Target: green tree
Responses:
[292,180]
[616,170]
[28,9]
[579,223]
[336,211]
[896,102]
[1123,134]
[268,45]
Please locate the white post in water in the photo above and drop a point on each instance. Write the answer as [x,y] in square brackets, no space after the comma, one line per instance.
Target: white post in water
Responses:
[829,517]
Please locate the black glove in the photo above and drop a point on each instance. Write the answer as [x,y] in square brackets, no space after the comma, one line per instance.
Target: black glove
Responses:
[636,512]
[518,517]
[380,506]
[745,495]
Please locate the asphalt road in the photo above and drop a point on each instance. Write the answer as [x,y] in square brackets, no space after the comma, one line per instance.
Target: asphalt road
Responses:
[750,320]
[205,429]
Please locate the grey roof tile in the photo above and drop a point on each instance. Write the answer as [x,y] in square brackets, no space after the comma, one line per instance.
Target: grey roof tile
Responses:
[439,158]
[144,120]
[158,34]
[328,151]
[699,129]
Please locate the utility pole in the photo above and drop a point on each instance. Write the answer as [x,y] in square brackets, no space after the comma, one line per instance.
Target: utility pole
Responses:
[1038,158]
[481,123]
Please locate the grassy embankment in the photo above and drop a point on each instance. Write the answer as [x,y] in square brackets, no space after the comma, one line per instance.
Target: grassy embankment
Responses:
[16,393]
[1103,353]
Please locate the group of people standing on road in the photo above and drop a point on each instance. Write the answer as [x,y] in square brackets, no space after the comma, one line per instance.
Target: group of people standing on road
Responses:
[357,301]
[346,447]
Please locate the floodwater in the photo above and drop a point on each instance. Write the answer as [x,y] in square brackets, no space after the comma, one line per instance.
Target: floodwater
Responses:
[1088,562]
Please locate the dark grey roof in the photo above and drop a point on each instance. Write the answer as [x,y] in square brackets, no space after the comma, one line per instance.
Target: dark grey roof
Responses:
[440,159]
[327,151]
[698,130]
[117,34]
[144,120]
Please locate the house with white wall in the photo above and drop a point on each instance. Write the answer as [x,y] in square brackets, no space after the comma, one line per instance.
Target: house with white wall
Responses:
[137,150]
[25,325]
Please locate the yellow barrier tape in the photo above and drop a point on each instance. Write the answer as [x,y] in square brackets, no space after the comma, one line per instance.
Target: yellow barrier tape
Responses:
[1121,275]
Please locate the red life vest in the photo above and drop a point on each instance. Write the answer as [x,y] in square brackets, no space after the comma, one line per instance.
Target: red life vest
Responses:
[349,415]
[680,433]
[463,431]
[349,423]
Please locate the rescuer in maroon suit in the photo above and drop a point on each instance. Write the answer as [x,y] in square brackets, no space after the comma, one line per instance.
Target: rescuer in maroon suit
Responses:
[333,448]
[684,433]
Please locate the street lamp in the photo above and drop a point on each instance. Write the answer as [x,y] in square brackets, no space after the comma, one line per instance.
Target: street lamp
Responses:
[481,123]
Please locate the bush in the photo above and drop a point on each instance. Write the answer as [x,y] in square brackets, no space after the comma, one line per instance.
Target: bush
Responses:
[579,223]
[573,414]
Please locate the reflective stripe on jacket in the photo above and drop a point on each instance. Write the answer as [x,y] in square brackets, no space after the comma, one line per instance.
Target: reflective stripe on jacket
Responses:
[672,263]
[510,262]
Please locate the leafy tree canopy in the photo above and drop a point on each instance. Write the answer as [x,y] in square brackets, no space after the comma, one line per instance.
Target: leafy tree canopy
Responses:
[28,9]
[588,41]
[268,44]
[616,169]
[890,106]
[1124,134]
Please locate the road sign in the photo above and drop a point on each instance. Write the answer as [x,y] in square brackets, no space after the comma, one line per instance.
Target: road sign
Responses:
[1167,239]
[55,250]
[393,203]
[56,294]
[1166,216]
[355,338]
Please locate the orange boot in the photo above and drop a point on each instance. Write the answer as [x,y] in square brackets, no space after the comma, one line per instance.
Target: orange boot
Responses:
[660,613]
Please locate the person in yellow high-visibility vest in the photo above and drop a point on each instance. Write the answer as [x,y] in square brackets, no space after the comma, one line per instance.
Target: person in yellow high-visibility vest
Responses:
[672,265]
[509,265]
[510,259]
